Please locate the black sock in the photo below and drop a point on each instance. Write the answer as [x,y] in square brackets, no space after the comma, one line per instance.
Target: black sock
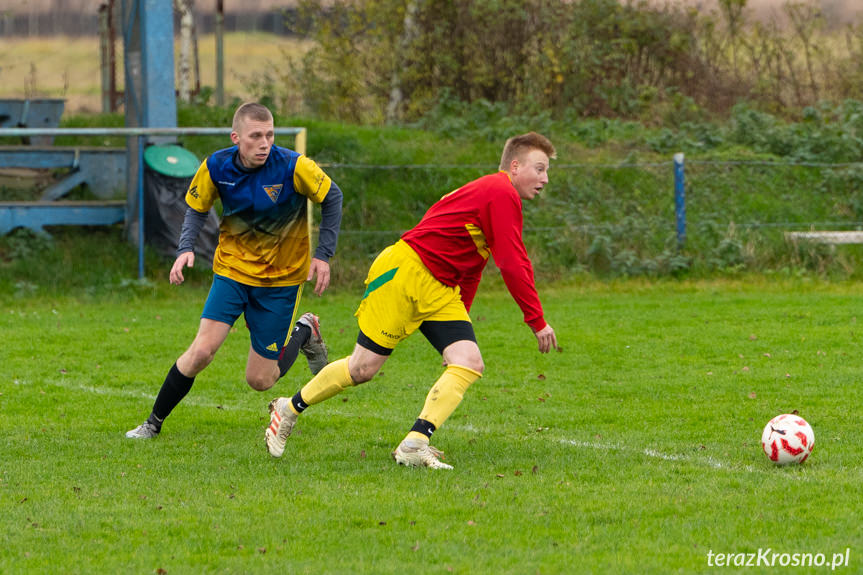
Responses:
[155,422]
[424,427]
[174,389]
[289,353]
[298,403]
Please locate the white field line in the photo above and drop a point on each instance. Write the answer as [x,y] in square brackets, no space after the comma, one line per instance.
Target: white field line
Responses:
[649,452]
[114,392]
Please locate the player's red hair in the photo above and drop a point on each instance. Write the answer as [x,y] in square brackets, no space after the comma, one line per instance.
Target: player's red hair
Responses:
[517,146]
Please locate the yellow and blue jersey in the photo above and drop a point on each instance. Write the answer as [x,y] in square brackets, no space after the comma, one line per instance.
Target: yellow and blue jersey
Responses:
[264,234]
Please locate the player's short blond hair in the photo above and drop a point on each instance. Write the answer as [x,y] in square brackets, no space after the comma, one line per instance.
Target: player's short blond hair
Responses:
[251,111]
[517,146]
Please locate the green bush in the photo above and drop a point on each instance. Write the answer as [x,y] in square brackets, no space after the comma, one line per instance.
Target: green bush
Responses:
[663,64]
[377,60]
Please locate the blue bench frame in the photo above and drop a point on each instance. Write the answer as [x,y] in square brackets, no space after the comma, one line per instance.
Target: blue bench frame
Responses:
[36,215]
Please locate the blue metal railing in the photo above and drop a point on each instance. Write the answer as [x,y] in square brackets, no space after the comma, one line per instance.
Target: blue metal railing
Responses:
[140,133]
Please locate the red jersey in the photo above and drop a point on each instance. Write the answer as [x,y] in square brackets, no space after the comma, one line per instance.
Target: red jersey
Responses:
[458,233]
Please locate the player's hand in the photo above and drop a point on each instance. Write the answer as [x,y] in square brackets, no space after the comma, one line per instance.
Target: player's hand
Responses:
[547,339]
[321,269]
[185,259]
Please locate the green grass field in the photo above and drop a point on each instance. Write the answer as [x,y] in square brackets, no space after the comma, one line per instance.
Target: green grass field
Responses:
[636,450]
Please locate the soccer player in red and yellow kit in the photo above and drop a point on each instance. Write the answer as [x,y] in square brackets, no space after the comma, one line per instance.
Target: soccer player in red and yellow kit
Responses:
[427,281]
[262,259]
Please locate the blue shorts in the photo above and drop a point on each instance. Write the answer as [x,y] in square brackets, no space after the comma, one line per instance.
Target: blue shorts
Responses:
[269,311]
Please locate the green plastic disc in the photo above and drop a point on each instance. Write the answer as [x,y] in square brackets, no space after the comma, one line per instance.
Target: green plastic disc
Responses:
[171,160]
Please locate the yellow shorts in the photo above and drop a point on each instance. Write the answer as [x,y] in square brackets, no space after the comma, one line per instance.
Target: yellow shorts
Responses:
[401,293]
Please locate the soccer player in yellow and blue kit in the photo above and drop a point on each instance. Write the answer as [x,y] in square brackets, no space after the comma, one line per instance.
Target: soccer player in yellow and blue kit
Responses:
[261,261]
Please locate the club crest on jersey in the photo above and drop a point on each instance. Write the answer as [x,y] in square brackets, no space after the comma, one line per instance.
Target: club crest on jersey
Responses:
[273,191]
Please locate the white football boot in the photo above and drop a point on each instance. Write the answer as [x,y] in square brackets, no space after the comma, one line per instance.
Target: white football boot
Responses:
[144,431]
[413,453]
[282,420]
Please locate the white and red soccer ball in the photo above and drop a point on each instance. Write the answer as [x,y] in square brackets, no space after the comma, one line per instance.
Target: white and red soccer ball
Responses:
[787,439]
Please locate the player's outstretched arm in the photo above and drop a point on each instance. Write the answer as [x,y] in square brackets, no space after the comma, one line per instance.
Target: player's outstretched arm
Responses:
[547,339]
[320,270]
[185,259]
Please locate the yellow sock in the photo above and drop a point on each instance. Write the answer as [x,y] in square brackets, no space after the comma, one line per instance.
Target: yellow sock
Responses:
[446,394]
[330,381]
[417,436]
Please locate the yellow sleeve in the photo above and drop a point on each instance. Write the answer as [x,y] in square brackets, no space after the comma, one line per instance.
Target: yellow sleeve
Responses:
[310,180]
[202,191]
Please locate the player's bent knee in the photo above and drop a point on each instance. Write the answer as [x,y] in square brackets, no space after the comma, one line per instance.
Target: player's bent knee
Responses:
[362,368]
[472,362]
[475,364]
[362,373]
[464,353]
[200,358]
[259,383]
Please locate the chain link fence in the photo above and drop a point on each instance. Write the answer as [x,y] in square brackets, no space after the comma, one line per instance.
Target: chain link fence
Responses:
[619,219]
